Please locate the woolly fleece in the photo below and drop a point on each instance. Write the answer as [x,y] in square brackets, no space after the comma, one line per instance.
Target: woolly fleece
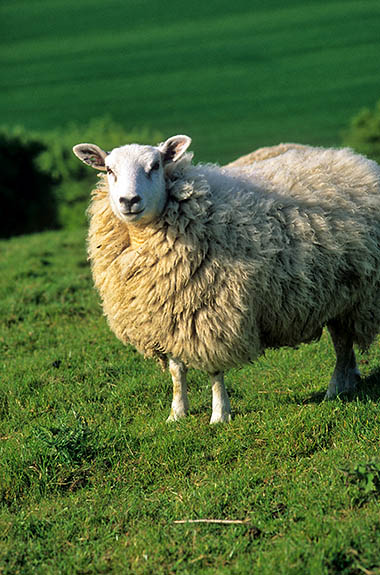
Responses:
[263,154]
[241,260]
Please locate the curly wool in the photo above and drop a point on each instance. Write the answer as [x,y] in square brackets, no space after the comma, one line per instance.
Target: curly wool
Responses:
[242,260]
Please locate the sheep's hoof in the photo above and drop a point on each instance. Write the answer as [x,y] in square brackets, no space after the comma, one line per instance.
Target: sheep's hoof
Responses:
[175,416]
[346,385]
[220,418]
[330,394]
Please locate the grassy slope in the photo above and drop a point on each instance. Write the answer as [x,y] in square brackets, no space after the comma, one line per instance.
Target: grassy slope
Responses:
[234,75]
[91,477]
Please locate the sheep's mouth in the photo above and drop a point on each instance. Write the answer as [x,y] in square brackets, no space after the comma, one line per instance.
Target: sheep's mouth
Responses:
[131,214]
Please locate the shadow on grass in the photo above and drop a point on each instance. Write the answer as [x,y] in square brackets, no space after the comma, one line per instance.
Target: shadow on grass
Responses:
[368,390]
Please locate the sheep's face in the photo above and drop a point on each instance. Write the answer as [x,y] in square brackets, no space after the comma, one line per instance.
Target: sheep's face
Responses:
[136,183]
[136,176]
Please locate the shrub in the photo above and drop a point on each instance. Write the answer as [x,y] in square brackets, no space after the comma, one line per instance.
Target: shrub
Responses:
[28,203]
[364,132]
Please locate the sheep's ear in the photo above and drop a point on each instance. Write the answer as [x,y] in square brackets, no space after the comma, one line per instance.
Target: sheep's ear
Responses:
[91,155]
[174,148]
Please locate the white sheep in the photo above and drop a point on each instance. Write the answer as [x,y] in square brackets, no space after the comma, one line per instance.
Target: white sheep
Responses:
[260,154]
[206,267]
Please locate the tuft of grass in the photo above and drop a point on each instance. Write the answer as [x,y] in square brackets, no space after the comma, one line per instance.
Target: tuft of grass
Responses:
[92,478]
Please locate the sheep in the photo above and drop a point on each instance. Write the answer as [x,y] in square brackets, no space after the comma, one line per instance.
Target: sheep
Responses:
[263,154]
[204,266]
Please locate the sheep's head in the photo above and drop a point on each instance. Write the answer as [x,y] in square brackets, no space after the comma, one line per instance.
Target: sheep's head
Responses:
[136,175]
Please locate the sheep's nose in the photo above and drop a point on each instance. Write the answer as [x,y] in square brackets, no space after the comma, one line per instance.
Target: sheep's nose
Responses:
[130,205]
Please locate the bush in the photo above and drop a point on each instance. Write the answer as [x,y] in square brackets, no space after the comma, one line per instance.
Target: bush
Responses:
[364,133]
[28,203]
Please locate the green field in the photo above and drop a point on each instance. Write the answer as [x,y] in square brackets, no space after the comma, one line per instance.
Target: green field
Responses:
[233,75]
[92,478]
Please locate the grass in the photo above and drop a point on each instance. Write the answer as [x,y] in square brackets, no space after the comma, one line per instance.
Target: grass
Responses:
[92,478]
[234,76]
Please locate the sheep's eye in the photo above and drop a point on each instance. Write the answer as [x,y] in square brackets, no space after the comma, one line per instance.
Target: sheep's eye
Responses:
[110,172]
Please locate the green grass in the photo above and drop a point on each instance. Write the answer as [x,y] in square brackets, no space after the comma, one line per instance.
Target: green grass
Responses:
[234,75]
[92,478]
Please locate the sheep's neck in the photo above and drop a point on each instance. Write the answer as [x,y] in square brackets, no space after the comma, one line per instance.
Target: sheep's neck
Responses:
[138,235]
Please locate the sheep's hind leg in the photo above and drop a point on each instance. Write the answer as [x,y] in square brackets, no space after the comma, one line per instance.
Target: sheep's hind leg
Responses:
[346,374]
[180,403]
[221,409]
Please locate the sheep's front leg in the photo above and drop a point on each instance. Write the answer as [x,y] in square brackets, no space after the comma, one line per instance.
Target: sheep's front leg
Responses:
[180,403]
[346,374]
[221,409]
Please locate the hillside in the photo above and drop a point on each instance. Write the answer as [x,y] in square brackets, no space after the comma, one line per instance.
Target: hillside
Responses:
[234,76]
[92,479]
